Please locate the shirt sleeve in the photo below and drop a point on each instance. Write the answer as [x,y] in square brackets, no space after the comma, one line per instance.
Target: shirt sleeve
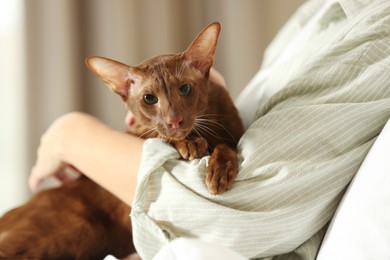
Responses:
[296,159]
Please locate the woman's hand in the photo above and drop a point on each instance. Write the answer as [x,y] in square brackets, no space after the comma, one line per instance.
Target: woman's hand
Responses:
[76,140]
[50,160]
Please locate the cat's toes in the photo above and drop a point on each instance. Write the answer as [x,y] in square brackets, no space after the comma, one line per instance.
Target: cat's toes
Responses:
[192,149]
[220,178]
[197,148]
[221,171]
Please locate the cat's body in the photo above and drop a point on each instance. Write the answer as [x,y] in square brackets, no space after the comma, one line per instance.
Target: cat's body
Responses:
[171,97]
[79,220]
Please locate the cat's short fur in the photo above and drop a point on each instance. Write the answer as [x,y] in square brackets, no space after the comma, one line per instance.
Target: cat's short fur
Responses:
[171,97]
[79,220]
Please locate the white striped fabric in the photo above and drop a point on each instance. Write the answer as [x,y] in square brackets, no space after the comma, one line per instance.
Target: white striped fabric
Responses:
[298,156]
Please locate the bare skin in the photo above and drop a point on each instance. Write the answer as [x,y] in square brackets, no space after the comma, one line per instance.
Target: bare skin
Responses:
[107,156]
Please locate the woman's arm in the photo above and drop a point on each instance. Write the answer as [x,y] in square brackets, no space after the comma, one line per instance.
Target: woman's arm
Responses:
[108,157]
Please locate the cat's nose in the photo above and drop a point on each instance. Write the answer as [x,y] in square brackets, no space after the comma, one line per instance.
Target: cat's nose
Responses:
[175,123]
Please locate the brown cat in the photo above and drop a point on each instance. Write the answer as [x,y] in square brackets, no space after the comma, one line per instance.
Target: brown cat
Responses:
[79,220]
[171,97]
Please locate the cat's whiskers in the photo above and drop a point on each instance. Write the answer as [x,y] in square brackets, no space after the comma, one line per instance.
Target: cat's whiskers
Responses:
[197,132]
[201,122]
[147,132]
[205,124]
[201,128]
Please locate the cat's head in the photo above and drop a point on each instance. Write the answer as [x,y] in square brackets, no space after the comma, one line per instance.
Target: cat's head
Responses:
[165,93]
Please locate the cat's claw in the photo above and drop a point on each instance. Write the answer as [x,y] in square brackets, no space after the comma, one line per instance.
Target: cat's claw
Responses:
[222,169]
[192,149]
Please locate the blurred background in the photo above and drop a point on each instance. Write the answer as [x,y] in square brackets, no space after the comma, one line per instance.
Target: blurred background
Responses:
[43,45]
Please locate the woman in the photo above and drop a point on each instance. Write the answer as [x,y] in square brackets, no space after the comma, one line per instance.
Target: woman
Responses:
[312,113]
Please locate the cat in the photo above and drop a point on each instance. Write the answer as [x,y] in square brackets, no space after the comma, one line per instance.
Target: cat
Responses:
[170,97]
[79,220]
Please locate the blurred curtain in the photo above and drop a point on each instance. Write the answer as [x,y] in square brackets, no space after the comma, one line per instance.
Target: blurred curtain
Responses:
[59,34]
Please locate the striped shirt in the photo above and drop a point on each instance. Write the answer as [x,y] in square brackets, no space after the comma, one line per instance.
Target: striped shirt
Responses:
[324,109]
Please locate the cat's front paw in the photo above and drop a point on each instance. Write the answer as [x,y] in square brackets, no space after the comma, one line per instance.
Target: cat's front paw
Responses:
[192,149]
[222,169]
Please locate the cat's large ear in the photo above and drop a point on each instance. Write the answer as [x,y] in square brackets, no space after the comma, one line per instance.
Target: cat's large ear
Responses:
[117,76]
[202,49]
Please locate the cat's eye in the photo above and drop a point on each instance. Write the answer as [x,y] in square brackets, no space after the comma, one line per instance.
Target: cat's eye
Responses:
[150,99]
[185,89]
